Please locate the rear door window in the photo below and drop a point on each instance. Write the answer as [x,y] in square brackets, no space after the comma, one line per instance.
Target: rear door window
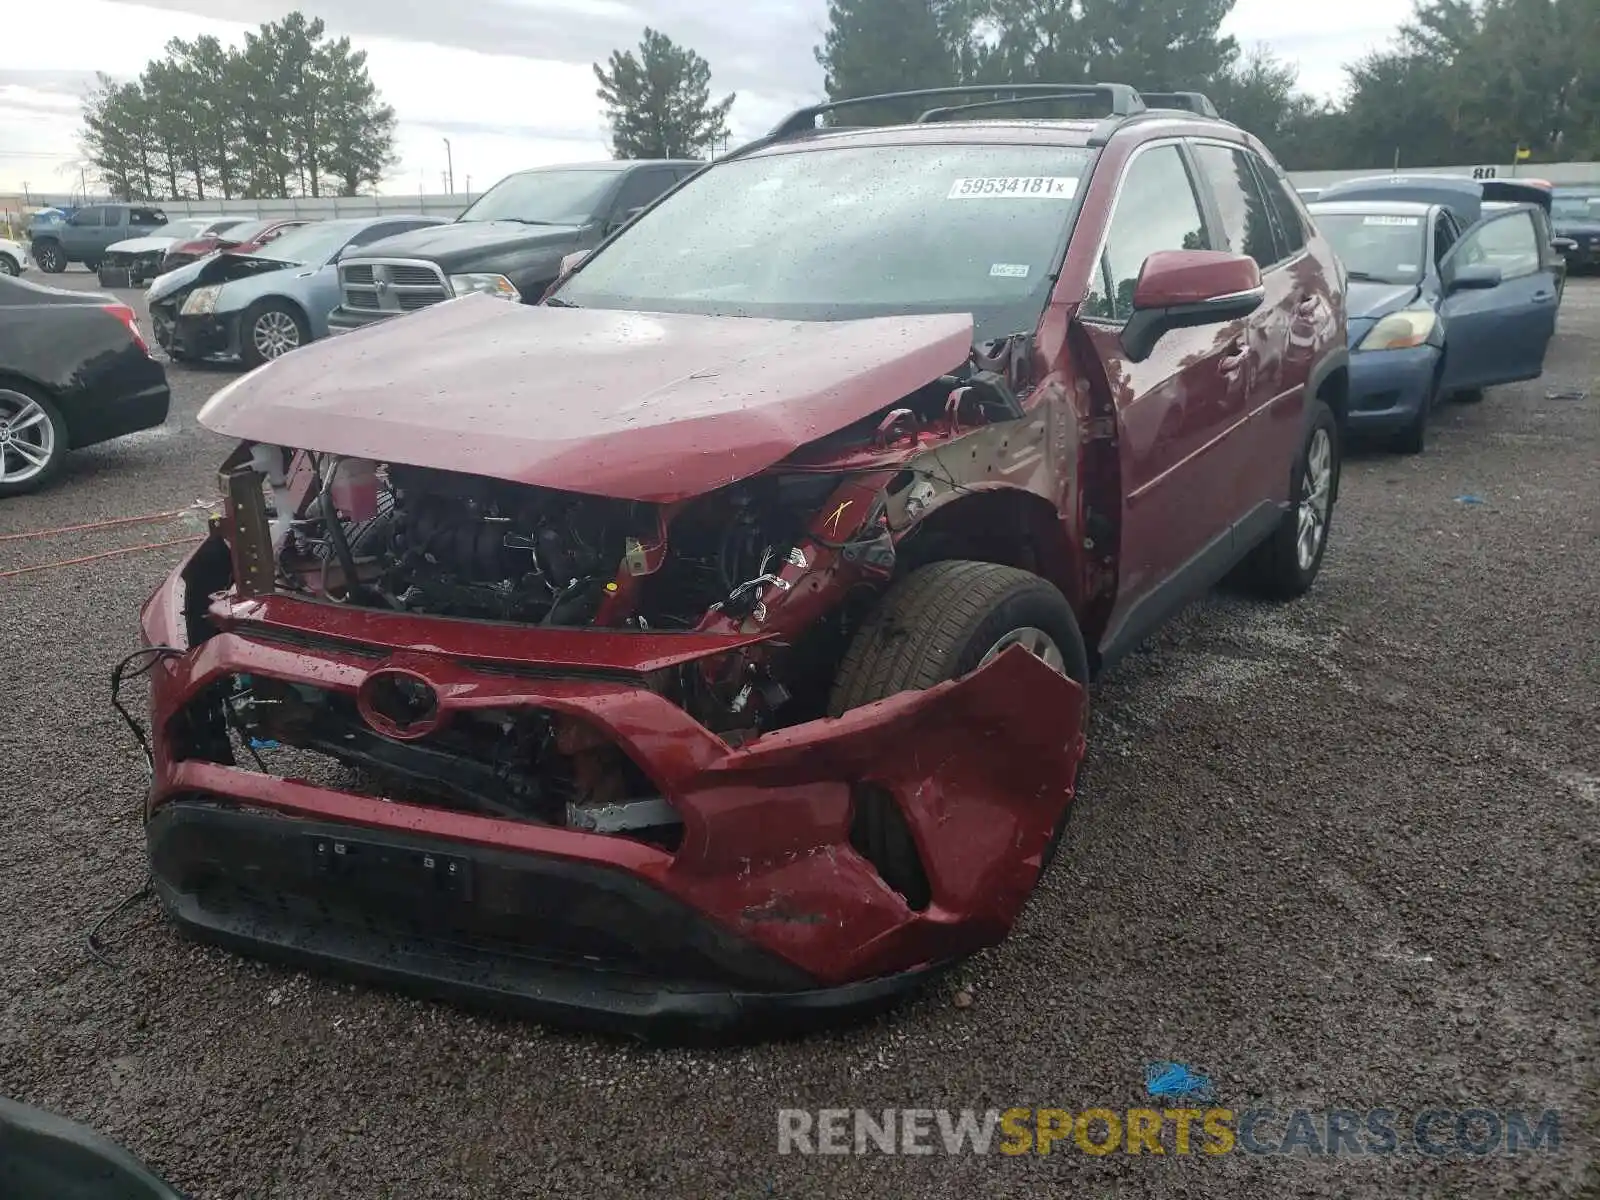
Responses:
[1241,205]
[1157,209]
[89,218]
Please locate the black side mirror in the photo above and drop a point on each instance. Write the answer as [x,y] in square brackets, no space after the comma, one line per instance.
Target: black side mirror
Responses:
[1478,277]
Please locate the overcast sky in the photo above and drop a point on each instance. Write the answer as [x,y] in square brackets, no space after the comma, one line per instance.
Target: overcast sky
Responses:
[509,82]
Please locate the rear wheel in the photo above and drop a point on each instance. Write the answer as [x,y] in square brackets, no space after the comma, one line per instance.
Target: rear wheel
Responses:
[91,264]
[941,622]
[1285,565]
[33,439]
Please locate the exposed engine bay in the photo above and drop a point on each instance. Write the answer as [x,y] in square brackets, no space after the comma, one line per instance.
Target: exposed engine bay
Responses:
[783,564]
[417,540]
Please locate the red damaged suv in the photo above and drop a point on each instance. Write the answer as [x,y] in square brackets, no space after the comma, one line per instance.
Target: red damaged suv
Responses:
[708,644]
[243,238]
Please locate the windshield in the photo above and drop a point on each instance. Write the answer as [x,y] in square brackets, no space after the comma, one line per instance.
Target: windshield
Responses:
[312,245]
[1576,208]
[184,228]
[851,232]
[1377,247]
[542,198]
[248,231]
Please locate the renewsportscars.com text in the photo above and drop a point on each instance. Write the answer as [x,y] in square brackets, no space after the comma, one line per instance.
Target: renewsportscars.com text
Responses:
[1436,1132]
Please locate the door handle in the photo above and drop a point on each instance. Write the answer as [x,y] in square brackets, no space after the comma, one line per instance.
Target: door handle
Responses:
[1306,308]
[1543,297]
[1233,361]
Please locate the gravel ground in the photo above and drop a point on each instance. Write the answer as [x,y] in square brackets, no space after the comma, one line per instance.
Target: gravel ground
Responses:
[1337,853]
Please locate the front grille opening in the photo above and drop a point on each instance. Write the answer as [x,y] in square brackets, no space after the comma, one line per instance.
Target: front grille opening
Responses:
[522,764]
[880,834]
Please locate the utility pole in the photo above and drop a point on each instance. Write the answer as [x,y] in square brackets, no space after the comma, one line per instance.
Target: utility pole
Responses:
[450,165]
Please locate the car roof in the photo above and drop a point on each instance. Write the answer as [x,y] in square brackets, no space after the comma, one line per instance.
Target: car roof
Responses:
[1386,208]
[362,222]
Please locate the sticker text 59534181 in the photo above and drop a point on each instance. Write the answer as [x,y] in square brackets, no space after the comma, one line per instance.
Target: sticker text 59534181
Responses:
[1015,187]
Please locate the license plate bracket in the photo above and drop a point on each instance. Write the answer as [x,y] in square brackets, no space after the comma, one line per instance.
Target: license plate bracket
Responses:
[377,866]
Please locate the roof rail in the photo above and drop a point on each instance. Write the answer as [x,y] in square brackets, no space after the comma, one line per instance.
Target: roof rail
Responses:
[1193,102]
[1120,98]
[1102,91]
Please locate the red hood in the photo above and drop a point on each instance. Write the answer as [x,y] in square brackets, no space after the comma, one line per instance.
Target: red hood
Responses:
[637,406]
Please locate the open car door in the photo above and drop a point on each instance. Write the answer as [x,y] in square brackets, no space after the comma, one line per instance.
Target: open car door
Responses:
[1500,302]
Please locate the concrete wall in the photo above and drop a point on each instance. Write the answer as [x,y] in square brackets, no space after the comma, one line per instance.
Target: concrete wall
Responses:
[1560,174]
[12,207]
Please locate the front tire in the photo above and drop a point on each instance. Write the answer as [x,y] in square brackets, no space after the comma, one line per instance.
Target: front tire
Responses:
[1413,438]
[1285,565]
[51,258]
[941,622]
[33,439]
[9,266]
[268,330]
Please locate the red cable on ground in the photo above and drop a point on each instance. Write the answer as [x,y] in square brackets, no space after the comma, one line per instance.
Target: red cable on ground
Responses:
[72,562]
[39,533]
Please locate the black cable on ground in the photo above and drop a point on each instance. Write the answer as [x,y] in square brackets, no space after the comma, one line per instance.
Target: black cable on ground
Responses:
[146,890]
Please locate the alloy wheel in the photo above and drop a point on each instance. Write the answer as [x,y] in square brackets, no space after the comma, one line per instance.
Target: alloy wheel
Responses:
[1316,495]
[1036,642]
[275,334]
[27,437]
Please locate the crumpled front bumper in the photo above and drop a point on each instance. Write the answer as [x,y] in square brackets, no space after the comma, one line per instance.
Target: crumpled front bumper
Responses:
[764,913]
[211,335]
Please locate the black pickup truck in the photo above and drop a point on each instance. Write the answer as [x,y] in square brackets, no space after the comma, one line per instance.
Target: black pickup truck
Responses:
[508,243]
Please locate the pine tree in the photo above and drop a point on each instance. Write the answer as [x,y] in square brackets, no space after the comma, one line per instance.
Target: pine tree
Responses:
[659,101]
[875,46]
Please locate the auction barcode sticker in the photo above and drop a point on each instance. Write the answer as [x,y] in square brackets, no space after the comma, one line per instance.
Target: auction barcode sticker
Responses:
[1015,187]
[1387,220]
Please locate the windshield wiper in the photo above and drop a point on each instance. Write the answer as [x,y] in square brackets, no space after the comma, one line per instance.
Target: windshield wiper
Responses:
[1364,277]
[558,302]
[524,221]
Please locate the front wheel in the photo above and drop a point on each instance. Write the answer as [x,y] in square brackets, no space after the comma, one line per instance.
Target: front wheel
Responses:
[9,266]
[1285,565]
[941,622]
[1413,439]
[268,330]
[51,258]
[33,440]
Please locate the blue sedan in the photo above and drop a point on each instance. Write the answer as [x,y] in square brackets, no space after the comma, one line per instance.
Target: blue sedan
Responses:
[257,307]
[1441,303]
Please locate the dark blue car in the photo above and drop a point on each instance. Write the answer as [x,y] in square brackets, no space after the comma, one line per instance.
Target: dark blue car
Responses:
[1447,295]
[1576,217]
